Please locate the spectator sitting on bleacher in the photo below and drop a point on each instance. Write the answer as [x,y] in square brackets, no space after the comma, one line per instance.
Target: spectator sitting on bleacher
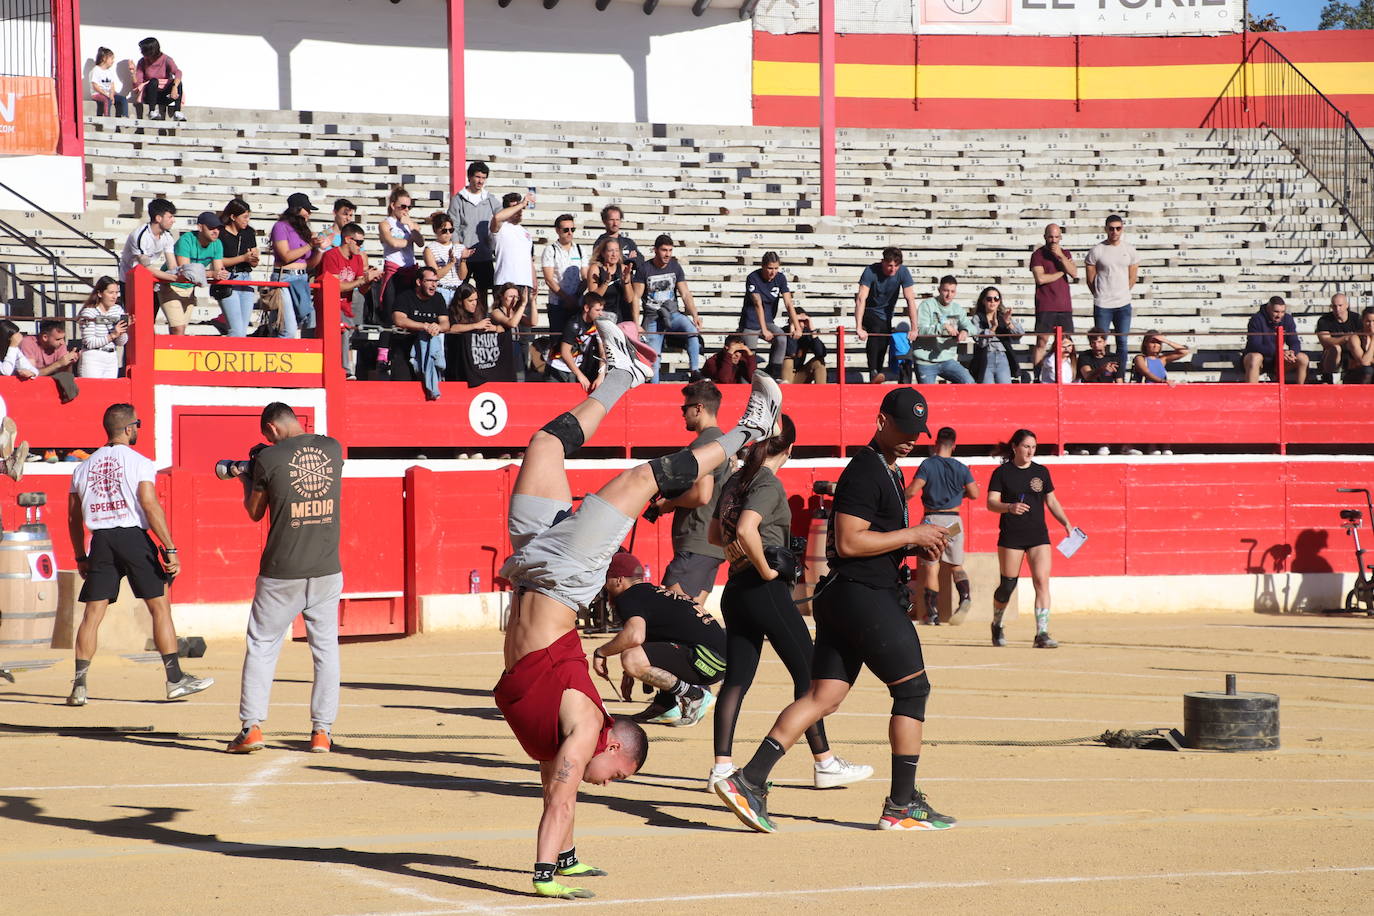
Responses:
[1261,342]
[152,246]
[349,264]
[103,326]
[47,351]
[565,272]
[1113,266]
[471,210]
[444,256]
[239,242]
[994,361]
[466,314]
[157,82]
[875,306]
[611,218]
[14,363]
[105,86]
[399,234]
[200,247]
[617,281]
[666,296]
[942,325]
[580,355]
[1333,330]
[806,361]
[344,209]
[1360,362]
[419,314]
[512,248]
[295,254]
[509,309]
[1053,268]
[763,290]
[1152,363]
[734,364]
[1097,365]
[1068,362]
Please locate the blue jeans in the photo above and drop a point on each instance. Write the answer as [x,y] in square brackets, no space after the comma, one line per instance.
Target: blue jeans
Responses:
[1121,318]
[238,306]
[682,324]
[997,371]
[301,299]
[952,369]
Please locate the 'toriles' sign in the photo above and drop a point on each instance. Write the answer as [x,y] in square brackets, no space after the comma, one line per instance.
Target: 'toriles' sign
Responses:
[227,365]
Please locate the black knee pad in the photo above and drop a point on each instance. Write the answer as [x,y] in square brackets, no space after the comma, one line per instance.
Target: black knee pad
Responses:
[1004,590]
[909,697]
[567,430]
[676,473]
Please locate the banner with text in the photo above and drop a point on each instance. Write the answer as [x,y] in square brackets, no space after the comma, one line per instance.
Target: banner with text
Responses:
[28,116]
[1007,17]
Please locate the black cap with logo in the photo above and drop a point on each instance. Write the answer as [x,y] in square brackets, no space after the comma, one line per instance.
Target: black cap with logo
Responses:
[907,408]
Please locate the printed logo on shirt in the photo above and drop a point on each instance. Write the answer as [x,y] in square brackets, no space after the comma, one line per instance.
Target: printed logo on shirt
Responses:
[311,473]
[105,480]
[1037,485]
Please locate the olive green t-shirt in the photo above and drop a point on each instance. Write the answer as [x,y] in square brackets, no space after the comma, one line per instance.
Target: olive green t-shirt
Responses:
[764,495]
[302,477]
[690,526]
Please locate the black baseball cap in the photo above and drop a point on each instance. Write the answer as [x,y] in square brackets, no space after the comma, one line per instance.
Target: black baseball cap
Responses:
[209,220]
[298,200]
[907,408]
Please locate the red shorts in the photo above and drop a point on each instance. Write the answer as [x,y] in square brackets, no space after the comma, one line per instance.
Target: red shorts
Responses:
[529,695]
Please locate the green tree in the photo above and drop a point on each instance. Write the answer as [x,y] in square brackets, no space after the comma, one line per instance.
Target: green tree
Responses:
[1357,15]
[1266,23]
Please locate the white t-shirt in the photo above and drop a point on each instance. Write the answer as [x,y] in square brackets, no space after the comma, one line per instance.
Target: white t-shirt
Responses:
[142,247]
[514,249]
[442,255]
[107,483]
[567,266]
[105,78]
[1113,263]
[402,255]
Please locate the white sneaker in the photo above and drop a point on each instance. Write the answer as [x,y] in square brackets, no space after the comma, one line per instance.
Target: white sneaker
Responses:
[188,685]
[620,354]
[1130,450]
[1104,450]
[1155,451]
[179,116]
[713,777]
[1167,451]
[840,772]
[14,464]
[693,711]
[765,403]
[77,696]
[961,612]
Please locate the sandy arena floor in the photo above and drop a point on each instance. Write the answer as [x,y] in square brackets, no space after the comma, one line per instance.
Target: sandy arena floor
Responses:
[427,806]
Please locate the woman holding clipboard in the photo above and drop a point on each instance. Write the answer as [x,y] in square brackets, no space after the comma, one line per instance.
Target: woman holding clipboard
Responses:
[1020,491]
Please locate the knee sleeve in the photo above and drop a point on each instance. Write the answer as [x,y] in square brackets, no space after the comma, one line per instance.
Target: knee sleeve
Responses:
[1003,593]
[567,430]
[676,473]
[909,697]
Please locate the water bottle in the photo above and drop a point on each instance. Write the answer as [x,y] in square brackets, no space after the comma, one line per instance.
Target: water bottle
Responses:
[530,207]
[648,572]
[474,583]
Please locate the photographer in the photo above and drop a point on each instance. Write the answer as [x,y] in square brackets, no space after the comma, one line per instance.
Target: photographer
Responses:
[753,522]
[299,475]
[860,611]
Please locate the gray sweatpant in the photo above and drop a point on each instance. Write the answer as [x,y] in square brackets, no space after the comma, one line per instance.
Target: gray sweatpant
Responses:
[276,602]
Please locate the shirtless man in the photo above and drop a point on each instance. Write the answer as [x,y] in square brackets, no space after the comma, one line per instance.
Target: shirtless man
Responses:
[559,566]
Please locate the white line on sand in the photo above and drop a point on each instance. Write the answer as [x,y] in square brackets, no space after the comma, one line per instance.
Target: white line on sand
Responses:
[805,894]
[265,775]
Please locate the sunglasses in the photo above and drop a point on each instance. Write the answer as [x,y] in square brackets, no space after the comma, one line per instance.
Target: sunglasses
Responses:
[687,407]
[442,229]
[403,206]
[565,228]
[994,299]
[136,424]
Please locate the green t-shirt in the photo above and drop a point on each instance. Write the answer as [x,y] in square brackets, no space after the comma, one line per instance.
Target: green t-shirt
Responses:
[764,495]
[302,477]
[189,247]
[691,526]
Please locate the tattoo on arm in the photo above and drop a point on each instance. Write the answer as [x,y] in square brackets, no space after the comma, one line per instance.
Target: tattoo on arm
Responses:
[564,771]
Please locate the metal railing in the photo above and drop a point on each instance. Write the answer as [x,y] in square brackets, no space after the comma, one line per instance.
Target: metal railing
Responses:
[45,282]
[1269,93]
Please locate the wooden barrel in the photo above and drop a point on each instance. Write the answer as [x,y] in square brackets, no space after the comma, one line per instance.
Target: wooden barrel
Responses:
[1240,721]
[28,608]
[816,565]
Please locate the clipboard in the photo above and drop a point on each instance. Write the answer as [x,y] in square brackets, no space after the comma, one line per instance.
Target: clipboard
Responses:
[1069,546]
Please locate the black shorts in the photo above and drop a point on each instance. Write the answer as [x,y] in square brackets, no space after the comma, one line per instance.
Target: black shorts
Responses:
[694,664]
[859,625]
[1046,322]
[1023,541]
[117,553]
[694,573]
[482,274]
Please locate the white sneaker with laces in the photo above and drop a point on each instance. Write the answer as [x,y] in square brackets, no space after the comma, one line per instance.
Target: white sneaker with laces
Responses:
[713,777]
[765,403]
[840,772]
[188,685]
[620,354]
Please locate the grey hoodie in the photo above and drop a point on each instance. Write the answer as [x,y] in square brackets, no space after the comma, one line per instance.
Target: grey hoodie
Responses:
[471,214]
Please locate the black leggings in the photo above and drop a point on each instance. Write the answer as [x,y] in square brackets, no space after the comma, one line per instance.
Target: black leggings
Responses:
[755,609]
[876,348]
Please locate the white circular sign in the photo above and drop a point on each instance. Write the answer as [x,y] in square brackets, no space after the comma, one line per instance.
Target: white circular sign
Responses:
[487,414]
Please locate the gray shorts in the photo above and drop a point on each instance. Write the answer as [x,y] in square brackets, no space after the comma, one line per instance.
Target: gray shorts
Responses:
[954,547]
[561,553]
[694,573]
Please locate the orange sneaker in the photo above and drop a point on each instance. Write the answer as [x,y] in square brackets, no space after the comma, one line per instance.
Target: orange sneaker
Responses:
[248,741]
[319,742]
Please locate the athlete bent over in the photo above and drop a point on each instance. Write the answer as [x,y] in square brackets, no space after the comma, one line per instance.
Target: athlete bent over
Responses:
[558,567]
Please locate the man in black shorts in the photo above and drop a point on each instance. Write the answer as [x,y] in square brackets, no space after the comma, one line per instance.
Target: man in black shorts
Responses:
[114,494]
[666,641]
[861,619]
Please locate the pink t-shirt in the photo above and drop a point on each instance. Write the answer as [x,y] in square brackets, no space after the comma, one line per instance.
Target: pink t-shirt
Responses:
[31,348]
[282,231]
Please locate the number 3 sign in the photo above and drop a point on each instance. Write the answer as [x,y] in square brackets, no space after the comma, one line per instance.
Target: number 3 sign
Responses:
[487,414]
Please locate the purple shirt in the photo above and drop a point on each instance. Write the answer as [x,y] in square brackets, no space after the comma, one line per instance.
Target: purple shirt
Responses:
[1051,297]
[283,232]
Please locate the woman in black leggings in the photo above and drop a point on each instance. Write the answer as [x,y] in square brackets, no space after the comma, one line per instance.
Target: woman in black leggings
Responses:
[752,522]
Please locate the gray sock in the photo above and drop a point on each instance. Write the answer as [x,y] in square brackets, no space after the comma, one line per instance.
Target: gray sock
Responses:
[735,440]
[997,613]
[612,387]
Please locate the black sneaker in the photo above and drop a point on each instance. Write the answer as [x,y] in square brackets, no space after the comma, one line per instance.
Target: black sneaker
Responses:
[1045,641]
[915,815]
[998,637]
[748,801]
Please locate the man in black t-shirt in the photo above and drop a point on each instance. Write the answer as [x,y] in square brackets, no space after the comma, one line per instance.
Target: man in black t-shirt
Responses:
[860,612]
[576,356]
[1097,365]
[1332,330]
[418,314]
[300,476]
[667,641]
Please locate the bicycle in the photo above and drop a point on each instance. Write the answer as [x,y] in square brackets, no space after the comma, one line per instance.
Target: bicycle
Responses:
[1362,593]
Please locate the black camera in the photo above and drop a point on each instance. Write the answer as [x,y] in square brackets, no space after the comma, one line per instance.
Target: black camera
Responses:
[230,468]
[823,487]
